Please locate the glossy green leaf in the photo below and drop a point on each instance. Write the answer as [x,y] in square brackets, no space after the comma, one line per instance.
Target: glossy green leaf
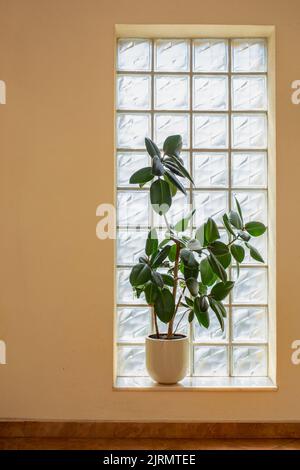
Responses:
[179,165]
[182,225]
[237,252]
[140,274]
[255,228]
[172,144]
[172,253]
[151,242]
[202,316]
[215,306]
[235,220]
[174,180]
[211,231]
[189,301]
[157,166]
[157,279]
[151,293]
[254,253]
[191,316]
[244,235]
[225,260]
[173,188]
[160,196]
[217,267]
[192,285]
[221,290]
[200,235]
[239,209]
[151,147]
[218,248]
[142,176]
[227,225]
[202,288]
[160,256]
[188,258]
[164,306]
[168,279]
[207,274]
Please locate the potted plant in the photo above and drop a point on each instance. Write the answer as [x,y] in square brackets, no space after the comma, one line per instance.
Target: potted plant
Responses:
[182,270]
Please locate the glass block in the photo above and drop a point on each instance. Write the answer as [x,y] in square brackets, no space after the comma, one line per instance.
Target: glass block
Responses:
[249,55]
[180,207]
[210,131]
[133,92]
[171,92]
[170,124]
[210,361]
[130,246]
[249,93]
[183,328]
[253,204]
[171,55]
[132,130]
[249,131]
[249,324]
[213,333]
[251,287]
[210,204]
[260,243]
[128,163]
[210,55]
[134,54]
[124,289]
[210,169]
[249,169]
[249,361]
[210,93]
[131,361]
[133,323]
[133,208]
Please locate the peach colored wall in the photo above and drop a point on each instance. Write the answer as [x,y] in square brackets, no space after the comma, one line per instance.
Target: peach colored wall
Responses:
[56,157]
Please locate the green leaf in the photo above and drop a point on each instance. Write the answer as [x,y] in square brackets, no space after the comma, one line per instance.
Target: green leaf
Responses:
[235,220]
[191,316]
[140,274]
[254,253]
[172,253]
[218,248]
[192,285]
[188,258]
[142,176]
[151,147]
[151,242]
[157,279]
[172,144]
[227,225]
[221,290]
[239,209]
[204,305]
[164,306]
[173,188]
[183,224]
[237,252]
[244,236]
[207,274]
[160,196]
[200,235]
[202,316]
[202,288]
[225,260]
[174,180]
[143,259]
[168,163]
[189,301]
[160,256]
[157,166]
[151,293]
[191,271]
[168,280]
[211,231]
[181,167]
[217,267]
[255,228]
[215,306]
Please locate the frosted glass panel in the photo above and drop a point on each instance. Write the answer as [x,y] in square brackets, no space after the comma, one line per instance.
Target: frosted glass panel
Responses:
[133,208]
[132,130]
[134,54]
[210,93]
[210,361]
[171,92]
[249,169]
[213,333]
[183,328]
[133,323]
[210,204]
[249,55]
[179,208]
[249,93]
[260,243]
[254,205]
[124,289]
[130,246]
[210,131]
[128,163]
[210,55]
[131,361]
[171,55]
[134,92]
[170,124]
[249,131]
[250,361]
[249,324]
[251,286]
[210,170]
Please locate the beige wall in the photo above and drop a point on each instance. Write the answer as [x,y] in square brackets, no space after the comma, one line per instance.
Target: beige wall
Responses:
[56,157]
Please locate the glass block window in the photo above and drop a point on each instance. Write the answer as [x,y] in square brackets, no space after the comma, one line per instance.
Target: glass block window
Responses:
[214,93]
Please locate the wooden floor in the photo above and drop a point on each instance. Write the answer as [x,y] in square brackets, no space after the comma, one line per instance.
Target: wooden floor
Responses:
[22,443]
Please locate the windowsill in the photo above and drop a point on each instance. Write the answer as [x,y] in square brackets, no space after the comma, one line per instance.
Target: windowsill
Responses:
[198,384]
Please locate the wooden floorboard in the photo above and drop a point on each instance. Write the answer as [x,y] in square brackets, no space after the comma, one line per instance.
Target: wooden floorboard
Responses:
[147,444]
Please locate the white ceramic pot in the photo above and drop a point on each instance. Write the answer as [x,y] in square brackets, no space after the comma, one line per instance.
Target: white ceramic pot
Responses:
[167,359]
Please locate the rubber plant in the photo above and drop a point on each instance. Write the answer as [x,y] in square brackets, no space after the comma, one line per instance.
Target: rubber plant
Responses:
[182,270]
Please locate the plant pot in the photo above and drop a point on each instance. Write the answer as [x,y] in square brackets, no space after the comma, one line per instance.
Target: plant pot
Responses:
[167,359]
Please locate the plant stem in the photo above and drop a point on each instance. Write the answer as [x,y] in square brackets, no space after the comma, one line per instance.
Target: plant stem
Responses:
[176,265]
[181,318]
[156,324]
